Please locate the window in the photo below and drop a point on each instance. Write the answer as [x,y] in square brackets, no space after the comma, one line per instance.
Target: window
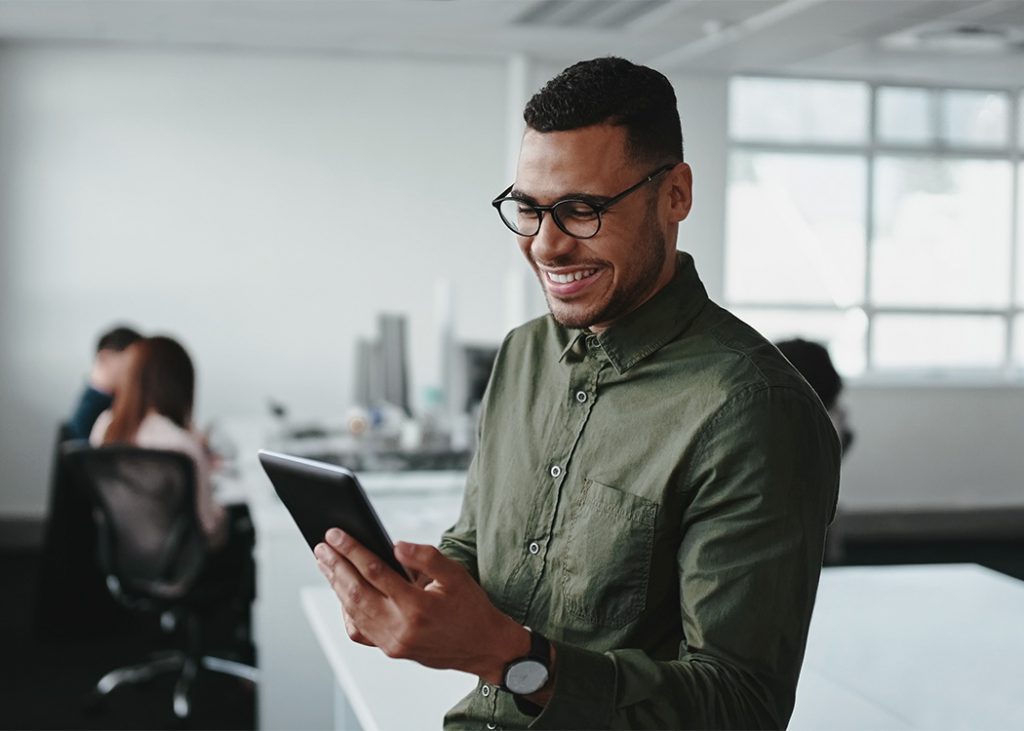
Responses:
[880,220]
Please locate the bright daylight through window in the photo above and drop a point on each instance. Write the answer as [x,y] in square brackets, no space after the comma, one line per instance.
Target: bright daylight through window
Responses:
[880,220]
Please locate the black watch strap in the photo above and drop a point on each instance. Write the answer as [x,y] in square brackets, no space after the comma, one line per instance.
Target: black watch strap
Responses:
[540,648]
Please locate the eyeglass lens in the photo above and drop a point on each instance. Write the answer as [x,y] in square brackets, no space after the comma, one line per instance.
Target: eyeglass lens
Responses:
[576,218]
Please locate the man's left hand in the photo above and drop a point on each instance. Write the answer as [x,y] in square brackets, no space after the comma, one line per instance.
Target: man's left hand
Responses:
[444,620]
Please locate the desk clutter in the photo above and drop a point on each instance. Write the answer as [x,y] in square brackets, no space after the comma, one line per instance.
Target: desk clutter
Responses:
[382,431]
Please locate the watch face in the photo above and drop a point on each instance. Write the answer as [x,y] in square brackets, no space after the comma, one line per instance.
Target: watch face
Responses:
[526,676]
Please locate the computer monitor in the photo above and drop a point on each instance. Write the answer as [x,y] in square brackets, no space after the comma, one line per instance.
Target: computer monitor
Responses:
[381,366]
[477,363]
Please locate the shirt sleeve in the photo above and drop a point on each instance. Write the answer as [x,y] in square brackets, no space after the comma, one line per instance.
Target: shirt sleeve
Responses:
[459,542]
[212,514]
[99,428]
[90,405]
[762,487]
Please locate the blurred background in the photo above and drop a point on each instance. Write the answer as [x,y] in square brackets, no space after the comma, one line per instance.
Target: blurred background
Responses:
[265,180]
[261,179]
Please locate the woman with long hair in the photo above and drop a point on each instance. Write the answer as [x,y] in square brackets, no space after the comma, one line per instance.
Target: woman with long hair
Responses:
[153,409]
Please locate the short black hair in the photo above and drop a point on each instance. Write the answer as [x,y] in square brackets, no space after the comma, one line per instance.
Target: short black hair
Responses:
[618,92]
[815,365]
[117,339]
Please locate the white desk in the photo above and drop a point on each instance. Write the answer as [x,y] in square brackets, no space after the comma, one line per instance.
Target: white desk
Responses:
[929,647]
[904,647]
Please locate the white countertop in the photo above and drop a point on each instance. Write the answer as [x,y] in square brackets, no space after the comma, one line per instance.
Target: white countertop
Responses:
[932,647]
[900,647]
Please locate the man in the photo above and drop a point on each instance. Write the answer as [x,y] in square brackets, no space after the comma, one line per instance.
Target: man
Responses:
[108,368]
[653,480]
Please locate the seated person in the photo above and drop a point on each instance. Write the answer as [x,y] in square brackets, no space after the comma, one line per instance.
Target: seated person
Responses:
[153,409]
[107,370]
[815,365]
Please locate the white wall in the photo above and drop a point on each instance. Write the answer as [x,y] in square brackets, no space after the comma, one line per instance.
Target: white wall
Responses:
[261,208]
[264,208]
[953,446]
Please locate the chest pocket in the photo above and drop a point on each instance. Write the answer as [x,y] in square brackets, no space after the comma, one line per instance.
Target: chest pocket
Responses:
[607,560]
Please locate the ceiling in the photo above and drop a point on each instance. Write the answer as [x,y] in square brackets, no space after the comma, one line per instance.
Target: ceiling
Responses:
[939,41]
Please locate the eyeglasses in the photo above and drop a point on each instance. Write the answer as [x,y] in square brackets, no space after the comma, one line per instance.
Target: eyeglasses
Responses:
[577,217]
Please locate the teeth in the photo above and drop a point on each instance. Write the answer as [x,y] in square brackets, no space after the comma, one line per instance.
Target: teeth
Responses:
[571,277]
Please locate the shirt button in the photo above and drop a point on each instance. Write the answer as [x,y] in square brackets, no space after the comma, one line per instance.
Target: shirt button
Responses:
[581,396]
[556,471]
[491,726]
[534,548]
[485,691]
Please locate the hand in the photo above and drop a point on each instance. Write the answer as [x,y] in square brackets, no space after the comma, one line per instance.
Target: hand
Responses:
[354,634]
[443,620]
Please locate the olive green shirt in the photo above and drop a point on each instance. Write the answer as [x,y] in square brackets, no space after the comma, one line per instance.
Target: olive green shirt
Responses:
[653,499]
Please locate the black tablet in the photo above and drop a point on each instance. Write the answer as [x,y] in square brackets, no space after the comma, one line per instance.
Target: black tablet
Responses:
[321,496]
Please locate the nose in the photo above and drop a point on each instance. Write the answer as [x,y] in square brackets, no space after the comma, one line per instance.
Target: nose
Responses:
[551,243]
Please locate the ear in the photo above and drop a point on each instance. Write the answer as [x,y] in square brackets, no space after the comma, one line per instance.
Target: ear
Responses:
[680,191]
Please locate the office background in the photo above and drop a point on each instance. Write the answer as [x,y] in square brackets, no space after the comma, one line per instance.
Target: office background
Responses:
[264,198]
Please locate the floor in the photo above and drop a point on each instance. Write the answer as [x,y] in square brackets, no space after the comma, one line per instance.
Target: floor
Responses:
[45,683]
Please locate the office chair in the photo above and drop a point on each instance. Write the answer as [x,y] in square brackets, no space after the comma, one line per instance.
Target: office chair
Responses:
[72,600]
[151,548]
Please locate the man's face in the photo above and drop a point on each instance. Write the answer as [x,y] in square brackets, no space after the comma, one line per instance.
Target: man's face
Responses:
[593,282]
[110,369]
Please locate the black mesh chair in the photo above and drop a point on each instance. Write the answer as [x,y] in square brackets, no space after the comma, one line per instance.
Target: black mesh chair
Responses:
[152,549]
[72,600]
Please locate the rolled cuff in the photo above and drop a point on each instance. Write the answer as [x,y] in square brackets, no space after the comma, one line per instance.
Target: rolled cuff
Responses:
[584,692]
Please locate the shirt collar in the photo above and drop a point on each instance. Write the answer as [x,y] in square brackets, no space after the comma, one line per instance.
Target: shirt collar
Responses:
[646,329]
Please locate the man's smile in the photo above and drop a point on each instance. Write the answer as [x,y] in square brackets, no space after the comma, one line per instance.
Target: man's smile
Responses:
[567,281]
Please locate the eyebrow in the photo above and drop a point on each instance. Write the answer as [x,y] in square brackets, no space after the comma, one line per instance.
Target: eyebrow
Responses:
[576,195]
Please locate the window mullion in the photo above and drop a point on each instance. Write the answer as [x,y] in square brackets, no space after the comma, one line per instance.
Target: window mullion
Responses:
[869,230]
[1015,233]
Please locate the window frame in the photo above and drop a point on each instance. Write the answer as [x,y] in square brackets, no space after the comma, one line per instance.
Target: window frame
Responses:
[873,148]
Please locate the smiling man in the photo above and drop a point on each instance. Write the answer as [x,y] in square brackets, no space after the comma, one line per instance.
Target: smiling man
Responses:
[643,524]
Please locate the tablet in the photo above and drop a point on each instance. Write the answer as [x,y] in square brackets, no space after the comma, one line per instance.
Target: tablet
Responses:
[320,496]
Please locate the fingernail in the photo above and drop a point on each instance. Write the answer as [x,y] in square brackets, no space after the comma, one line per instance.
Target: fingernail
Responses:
[320,551]
[335,536]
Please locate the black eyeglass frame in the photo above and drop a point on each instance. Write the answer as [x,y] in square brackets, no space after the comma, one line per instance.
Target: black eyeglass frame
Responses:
[599,208]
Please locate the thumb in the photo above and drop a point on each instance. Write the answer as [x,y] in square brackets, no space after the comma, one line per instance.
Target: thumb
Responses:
[428,560]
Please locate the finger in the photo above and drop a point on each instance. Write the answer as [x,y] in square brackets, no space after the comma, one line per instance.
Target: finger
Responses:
[429,561]
[379,575]
[419,579]
[357,596]
[354,632]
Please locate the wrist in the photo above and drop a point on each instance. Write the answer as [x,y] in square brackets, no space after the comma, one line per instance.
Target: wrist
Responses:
[513,642]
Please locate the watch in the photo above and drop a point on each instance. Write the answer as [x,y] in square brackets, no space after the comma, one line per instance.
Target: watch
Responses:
[526,675]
